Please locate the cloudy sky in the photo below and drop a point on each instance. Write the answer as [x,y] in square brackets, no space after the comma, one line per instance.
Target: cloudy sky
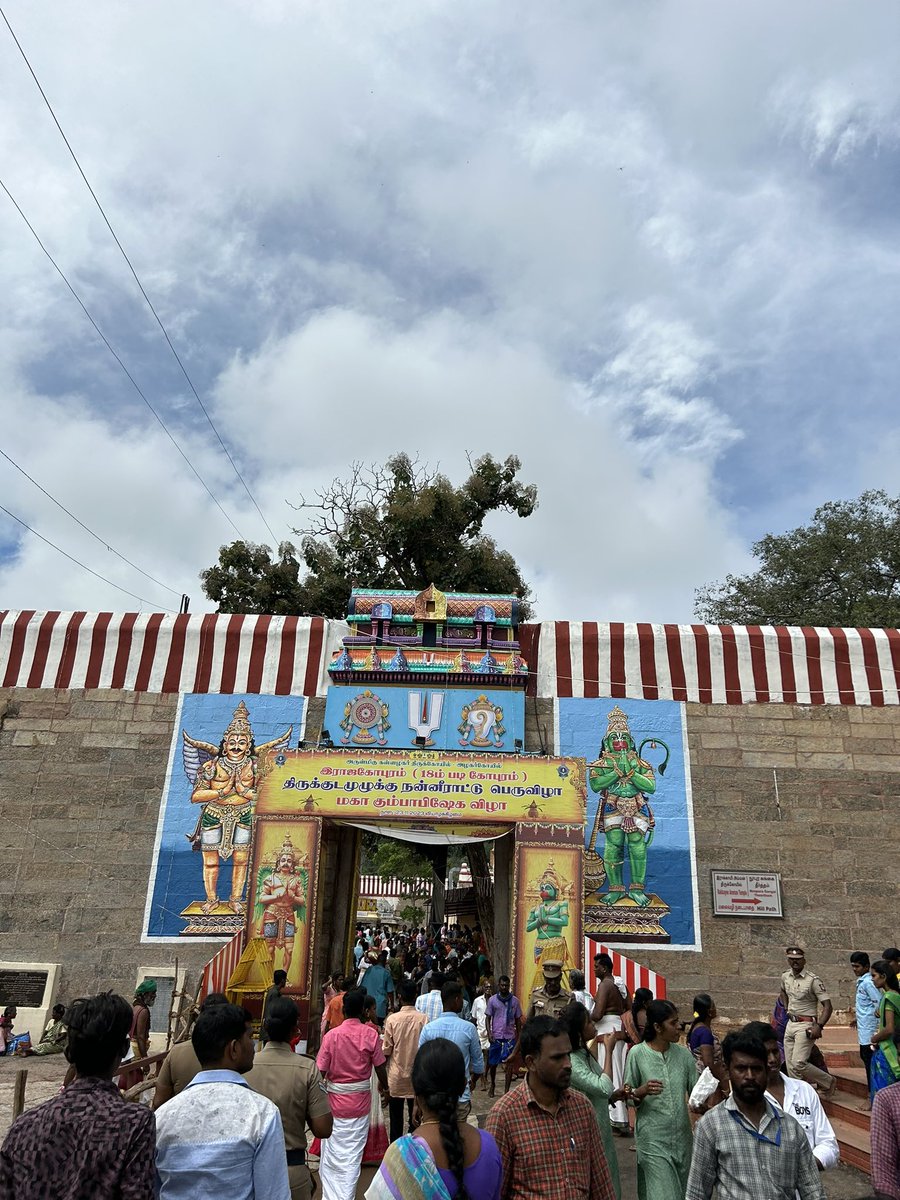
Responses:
[651,248]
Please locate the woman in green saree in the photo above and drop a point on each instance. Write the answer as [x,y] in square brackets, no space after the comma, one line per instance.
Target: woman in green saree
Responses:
[885,1061]
[661,1074]
[592,1080]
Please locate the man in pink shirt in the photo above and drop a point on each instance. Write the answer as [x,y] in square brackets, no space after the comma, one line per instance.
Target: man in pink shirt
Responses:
[347,1058]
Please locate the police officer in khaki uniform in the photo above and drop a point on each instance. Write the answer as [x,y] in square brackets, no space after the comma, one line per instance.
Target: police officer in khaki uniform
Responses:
[293,1083]
[552,998]
[801,993]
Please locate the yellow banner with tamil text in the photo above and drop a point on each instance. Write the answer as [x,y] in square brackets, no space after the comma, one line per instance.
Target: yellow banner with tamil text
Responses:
[425,786]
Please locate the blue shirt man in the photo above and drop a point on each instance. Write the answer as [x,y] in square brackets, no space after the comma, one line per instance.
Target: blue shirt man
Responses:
[379,983]
[865,1005]
[217,1139]
[868,998]
[462,1033]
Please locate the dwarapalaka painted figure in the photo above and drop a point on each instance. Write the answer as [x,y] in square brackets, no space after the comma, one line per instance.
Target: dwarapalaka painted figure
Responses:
[281,892]
[225,781]
[624,780]
[549,919]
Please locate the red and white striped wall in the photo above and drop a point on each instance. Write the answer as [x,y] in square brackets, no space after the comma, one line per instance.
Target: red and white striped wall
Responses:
[710,664]
[371,887]
[219,969]
[152,652]
[632,972]
[717,664]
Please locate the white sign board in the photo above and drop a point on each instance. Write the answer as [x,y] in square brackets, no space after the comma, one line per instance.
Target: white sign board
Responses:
[746,894]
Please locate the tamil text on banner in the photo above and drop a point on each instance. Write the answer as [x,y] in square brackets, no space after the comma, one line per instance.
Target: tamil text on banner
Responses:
[427,786]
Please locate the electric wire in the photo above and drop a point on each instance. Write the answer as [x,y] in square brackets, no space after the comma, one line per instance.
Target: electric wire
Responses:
[115,355]
[137,280]
[175,591]
[76,561]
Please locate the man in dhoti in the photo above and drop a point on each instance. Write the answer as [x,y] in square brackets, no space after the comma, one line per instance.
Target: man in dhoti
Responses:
[346,1059]
[607,1016]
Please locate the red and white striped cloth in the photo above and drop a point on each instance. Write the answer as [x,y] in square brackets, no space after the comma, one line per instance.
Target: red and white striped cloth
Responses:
[717,664]
[372,886]
[152,652]
[220,967]
[632,972]
[710,664]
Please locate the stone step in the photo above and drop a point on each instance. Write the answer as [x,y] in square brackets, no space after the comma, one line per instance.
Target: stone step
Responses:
[854,1145]
[853,1110]
[840,1058]
[851,1080]
[839,1036]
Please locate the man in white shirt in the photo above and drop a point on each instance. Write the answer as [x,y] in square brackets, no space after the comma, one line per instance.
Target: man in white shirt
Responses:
[217,1138]
[798,1099]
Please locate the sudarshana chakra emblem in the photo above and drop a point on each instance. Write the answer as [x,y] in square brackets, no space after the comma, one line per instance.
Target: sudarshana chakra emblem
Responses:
[365,720]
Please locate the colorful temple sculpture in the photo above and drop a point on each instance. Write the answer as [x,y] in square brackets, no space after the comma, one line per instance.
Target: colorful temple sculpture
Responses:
[399,637]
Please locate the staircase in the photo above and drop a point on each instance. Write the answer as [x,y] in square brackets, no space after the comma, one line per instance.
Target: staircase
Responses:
[848,1111]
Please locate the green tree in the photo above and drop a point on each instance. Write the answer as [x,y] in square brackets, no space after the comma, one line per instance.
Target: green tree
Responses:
[247,579]
[391,858]
[393,526]
[843,568]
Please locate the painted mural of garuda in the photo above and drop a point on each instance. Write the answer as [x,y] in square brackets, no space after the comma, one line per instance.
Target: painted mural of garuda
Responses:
[225,780]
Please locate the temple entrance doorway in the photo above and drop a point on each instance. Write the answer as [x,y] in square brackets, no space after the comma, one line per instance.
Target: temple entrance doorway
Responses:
[315,806]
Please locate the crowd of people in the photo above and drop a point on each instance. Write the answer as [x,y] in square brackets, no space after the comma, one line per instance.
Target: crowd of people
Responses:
[410,1034]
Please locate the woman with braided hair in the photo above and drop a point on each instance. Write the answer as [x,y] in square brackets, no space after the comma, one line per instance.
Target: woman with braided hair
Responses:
[445,1159]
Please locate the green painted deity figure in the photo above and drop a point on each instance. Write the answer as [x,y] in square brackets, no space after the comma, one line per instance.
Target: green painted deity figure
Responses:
[623,781]
[548,920]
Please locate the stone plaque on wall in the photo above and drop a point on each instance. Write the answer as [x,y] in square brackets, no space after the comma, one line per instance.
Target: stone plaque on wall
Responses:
[24,988]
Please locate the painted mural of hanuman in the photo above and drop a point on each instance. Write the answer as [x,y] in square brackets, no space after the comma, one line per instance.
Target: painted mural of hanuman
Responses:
[226,779]
[624,781]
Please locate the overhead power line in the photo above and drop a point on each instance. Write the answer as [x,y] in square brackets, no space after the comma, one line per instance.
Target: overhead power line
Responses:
[76,561]
[137,280]
[115,355]
[175,591]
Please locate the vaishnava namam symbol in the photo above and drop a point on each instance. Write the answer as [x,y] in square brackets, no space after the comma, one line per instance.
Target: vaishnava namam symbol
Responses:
[425,712]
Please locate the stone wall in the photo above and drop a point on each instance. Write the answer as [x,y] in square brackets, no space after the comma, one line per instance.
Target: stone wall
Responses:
[81,779]
[829,831]
[82,776]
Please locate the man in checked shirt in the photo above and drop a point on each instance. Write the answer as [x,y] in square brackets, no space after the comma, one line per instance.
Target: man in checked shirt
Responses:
[746,1148]
[548,1135]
